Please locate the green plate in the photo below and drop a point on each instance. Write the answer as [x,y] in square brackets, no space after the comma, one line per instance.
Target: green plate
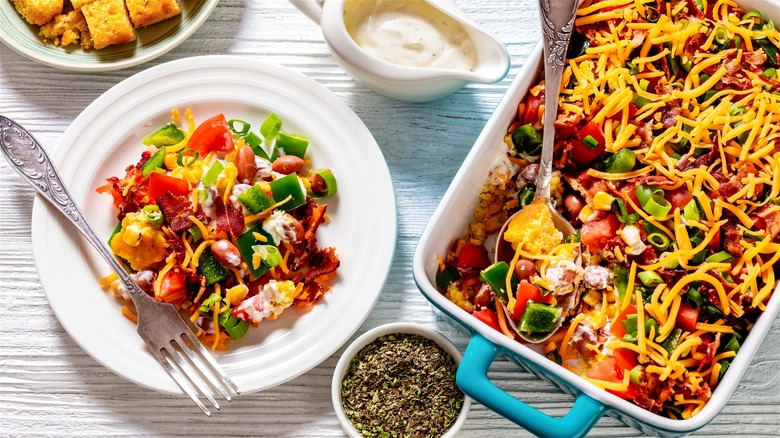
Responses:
[151,41]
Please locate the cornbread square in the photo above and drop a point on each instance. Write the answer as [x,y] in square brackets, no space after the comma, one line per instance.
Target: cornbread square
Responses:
[78,4]
[39,12]
[147,12]
[533,229]
[67,29]
[108,23]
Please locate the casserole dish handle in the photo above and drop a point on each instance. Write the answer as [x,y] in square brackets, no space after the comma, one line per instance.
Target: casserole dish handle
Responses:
[473,380]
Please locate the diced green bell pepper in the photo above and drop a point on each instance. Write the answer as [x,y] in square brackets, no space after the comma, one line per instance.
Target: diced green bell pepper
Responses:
[495,276]
[447,277]
[527,140]
[539,318]
[156,161]
[245,243]
[331,186]
[293,144]
[211,268]
[288,186]
[670,343]
[255,199]
[168,135]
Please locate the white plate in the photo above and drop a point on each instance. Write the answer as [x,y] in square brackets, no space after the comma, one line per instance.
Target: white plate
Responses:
[106,137]
[151,41]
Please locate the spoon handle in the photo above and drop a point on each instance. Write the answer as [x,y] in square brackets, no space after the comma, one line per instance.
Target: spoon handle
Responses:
[557,18]
[28,158]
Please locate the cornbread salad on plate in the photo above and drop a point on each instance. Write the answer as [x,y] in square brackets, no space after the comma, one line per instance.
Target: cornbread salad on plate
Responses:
[98,35]
[667,161]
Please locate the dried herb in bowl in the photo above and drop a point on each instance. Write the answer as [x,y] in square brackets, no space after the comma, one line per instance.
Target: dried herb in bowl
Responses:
[401,385]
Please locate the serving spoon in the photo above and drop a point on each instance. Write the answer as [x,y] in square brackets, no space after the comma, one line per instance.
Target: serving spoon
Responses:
[557,17]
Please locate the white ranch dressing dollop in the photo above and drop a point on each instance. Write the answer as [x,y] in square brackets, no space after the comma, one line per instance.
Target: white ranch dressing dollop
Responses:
[411,33]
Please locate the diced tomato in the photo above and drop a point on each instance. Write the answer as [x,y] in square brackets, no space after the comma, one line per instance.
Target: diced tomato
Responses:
[528,292]
[160,183]
[595,234]
[473,256]
[625,359]
[212,135]
[532,105]
[679,197]
[582,154]
[617,330]
[172,289]
[489,317]
[687,317]
[714,244]
[632,110]
[608,371]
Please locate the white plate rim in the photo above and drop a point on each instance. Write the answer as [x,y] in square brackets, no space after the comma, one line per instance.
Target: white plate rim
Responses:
[46,222]
[22,38]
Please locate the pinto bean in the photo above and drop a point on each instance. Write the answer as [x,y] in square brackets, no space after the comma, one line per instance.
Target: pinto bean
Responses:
[529,173]
[226,253]
[297,228]
[573,205]
[525,269]
[483,297]
[245,164]
[287,164]
[318,184]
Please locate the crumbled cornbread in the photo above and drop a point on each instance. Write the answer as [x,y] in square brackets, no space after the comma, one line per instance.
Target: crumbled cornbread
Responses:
[533,229]
[67,29]
[108,23]
[147,12]
[39,12]
[458,297]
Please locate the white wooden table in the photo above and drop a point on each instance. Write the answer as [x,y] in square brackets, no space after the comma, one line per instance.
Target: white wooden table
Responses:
[50,387]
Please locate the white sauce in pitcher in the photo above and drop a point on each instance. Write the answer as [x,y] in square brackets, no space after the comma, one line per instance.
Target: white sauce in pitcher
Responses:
[411,33]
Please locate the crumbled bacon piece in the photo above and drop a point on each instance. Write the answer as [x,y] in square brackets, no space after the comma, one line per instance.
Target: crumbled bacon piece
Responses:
[732,235]
[230,217]
[177,211]
[755,58]
[669,113]
[322,262]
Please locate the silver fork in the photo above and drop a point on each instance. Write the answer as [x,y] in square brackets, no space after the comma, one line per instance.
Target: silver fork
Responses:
[160,325]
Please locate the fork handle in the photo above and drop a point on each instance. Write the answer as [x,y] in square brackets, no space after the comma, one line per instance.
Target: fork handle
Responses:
[26,155]
[557,17]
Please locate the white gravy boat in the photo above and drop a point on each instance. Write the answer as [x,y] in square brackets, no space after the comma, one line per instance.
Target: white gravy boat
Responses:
[410,83]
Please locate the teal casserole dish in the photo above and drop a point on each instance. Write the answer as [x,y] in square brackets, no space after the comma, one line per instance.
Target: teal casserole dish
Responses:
[449,222]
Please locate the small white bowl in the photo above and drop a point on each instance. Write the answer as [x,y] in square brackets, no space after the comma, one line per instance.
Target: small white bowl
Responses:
[369,337]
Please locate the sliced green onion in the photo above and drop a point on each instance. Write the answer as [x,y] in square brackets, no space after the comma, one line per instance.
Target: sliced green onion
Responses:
[168,135]
[770,50]
[187,157]
[724,366]
[242,131]
[672,263]
[621,280]
[651,14]
[770,73]
[755,17]
[590,142]
[650,278]
[732,344]
[202,195]
[736,110]
[686,64]
[238,331]
[619,208]
[691,212]
[636,374]
[331,187]
[210,177]
[269,254]
[737,42]
[659,241]
[710,313]
[640,101]
[632,69]
[721,36]
[156,161]
[671,342]
[719,257]
[527,140]
[293,144]
[623,161]
[643,84]
[208,303]
[153,214]
[271,126]
[652,200]
[726,276]
[695,298]
[195,233]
